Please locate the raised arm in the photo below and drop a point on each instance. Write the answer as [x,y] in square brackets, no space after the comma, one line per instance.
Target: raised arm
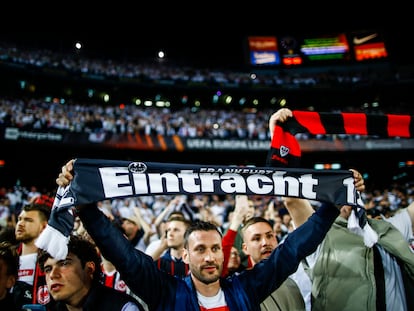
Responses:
[144,225]
[65,176]
[301,209]
[135,267]
[240,213]
[279,116]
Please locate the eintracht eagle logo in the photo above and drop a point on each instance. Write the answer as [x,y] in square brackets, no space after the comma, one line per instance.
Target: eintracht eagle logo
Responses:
[137,167]
[284,151]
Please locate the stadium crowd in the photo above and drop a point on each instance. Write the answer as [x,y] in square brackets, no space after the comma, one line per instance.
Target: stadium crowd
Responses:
[157,225]
[145,219]
[251,123]
[35,114]
[153,71]
[40,114]
[378,202]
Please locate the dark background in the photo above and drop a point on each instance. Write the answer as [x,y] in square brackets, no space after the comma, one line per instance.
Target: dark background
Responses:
[202,35]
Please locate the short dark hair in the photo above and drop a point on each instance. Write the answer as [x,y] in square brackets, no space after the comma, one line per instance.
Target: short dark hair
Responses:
[186,222]
[175,214]
[43,209]
[82,248]
[9,255]
[200,225]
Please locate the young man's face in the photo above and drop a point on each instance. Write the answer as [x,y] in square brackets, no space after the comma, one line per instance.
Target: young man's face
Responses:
[29,226]
[67,280]
[259,241]
[175,234]
[204,255]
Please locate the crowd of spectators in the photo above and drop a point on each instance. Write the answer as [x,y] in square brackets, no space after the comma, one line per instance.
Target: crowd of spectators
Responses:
[144,219]
[147,71]
[77,116]
[35,114]
[39,114]
[153,210]
[378,202]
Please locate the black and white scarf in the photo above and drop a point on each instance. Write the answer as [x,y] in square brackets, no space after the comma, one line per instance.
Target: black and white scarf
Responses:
[97,179]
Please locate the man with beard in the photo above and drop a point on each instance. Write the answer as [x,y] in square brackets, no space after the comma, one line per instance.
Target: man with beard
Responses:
[203,289]
[31,221]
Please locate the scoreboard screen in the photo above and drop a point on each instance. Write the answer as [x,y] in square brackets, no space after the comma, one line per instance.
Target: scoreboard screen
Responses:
[325,48]
[263,51]
[322,49]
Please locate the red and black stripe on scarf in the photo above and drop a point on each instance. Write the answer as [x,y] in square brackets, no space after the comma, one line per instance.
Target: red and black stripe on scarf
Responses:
[285,150]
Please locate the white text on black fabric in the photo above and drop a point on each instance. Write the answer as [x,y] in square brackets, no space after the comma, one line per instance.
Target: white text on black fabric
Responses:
[118,181]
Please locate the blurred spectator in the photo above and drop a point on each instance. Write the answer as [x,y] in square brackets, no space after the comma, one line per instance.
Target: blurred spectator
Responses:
[171,259]
[12,292]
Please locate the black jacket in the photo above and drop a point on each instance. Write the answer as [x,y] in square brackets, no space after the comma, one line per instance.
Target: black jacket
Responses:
[103,298]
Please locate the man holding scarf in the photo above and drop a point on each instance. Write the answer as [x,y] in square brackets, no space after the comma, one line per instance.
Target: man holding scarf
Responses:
[346,272]
[204,288]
